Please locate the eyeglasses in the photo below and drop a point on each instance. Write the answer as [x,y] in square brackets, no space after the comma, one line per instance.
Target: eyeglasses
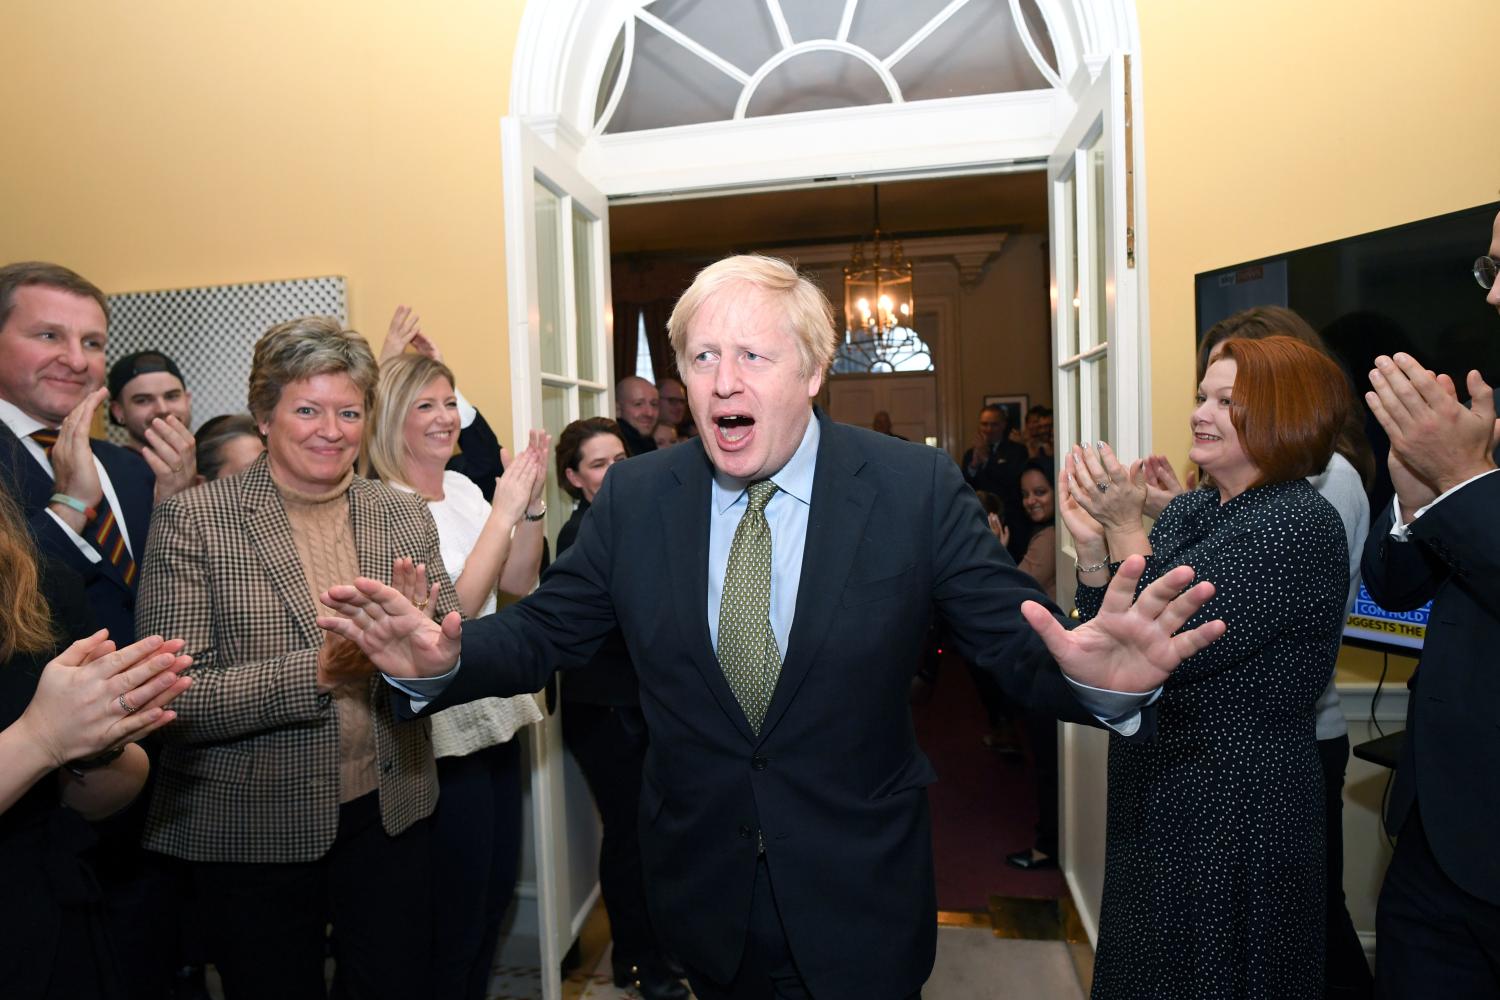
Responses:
[1485,269]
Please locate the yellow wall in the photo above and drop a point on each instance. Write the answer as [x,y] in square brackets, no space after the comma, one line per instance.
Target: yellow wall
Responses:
[170,143]
[1282,124]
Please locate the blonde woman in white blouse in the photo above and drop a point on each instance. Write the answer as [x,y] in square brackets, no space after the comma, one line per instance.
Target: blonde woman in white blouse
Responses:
[477,827]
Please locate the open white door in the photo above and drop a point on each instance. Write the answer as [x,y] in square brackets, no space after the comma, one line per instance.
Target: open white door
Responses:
[1100,385]
[557,271]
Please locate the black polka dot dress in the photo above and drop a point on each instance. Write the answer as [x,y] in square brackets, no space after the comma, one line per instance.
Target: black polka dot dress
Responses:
[1213,884]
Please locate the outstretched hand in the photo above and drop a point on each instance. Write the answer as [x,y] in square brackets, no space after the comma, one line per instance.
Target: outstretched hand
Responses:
[399,638]
[1130,645]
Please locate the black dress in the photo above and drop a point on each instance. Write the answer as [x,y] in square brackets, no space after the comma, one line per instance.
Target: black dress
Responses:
[1213,882]
[53,941]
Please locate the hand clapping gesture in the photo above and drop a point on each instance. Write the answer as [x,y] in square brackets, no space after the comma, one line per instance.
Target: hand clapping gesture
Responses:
[73,471]
[525,477]
[1437,443]
[171,451]
[92,697]
[405,330]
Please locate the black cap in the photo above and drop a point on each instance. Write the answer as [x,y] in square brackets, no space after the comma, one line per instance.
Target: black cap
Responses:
[140,363]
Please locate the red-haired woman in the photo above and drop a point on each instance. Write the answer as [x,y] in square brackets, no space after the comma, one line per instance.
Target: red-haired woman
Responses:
[1214,865]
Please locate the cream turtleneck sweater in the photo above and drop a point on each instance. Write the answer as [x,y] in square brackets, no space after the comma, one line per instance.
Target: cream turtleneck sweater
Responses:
[324,538]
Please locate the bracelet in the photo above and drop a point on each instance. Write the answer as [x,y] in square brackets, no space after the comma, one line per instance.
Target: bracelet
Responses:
[73,503]
[529,516]
[1094,568]
[79,765]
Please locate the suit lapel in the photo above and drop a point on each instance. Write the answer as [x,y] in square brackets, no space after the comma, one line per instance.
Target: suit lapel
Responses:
[367,520]
[841,505]
[270,534]
[684,510]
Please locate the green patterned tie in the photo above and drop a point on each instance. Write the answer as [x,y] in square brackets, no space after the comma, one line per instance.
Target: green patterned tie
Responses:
[747,643]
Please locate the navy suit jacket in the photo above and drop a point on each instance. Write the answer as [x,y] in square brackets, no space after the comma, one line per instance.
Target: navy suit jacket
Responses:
[835,780]
[110,597]
[1452,558]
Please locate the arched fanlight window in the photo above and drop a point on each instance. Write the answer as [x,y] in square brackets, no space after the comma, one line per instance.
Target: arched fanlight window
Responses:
[688,62]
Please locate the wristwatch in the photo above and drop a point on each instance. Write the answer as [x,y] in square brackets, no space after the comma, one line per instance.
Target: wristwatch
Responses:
[528,515]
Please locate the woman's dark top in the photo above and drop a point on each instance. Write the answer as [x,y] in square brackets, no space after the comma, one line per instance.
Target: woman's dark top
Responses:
[609,678]
[50,907]
[1213,879]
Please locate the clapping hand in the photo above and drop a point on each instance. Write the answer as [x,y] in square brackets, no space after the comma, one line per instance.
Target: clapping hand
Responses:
[171,452]
[1437,443]
[1162,484]
[1130,645]
[1114,495]
[92,697]
[405,330]
[73,471]
[525,477]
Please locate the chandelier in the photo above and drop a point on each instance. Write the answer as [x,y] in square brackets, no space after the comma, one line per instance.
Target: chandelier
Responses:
[877,288]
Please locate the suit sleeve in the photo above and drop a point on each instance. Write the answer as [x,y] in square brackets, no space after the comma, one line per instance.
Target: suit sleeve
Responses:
[560,624]
[1400,575]
[978,592]
[227,700]
[478,456]
[1461,541]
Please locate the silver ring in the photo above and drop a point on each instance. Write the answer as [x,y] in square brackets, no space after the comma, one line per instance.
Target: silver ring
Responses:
[1104,485]
[127,706]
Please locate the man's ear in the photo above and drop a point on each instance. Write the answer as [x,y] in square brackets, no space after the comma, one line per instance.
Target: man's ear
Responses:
[116,414]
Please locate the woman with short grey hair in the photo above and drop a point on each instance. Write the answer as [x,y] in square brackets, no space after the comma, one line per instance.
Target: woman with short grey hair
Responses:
[288,785]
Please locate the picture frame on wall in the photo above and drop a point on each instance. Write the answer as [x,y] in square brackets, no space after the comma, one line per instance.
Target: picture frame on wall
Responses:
[1015,406]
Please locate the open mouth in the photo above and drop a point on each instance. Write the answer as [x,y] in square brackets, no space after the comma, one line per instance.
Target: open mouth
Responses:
[733,428]
[1206,437]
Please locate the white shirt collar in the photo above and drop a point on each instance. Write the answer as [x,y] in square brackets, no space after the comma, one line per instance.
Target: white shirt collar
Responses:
[21,424]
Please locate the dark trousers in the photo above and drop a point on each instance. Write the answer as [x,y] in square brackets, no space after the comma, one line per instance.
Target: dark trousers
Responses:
[1434,939]
[1346,974]
[266,922]
[1041,733]
[610,746]
[767,970]
[476,854]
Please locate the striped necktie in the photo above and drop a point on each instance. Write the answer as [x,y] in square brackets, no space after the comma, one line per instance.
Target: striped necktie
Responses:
[103,533]
[747,644]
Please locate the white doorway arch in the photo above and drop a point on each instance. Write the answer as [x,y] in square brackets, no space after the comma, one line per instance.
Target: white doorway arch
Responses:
[564,51]
[1083,127]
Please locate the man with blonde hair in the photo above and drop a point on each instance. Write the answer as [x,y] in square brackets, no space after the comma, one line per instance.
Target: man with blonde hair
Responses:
[785,833]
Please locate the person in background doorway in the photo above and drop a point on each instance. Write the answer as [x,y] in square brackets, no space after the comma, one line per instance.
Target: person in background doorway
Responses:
[882,425]
[1039,502]
[1038,433]
[993,463]
[637,405]
[674,407]
[665,435]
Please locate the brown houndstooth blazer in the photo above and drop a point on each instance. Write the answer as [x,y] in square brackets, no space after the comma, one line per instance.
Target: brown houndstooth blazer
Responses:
[250,770]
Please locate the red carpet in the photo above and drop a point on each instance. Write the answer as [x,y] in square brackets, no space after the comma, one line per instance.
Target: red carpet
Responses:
[983,804]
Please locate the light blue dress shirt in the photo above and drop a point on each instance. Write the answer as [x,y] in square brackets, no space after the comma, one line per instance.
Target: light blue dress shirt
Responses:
[787,516]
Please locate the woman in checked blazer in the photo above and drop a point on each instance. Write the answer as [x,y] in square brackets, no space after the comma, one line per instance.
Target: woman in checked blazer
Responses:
[286,782]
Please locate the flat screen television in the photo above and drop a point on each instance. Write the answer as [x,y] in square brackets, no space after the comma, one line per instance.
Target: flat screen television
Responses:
[1408,288]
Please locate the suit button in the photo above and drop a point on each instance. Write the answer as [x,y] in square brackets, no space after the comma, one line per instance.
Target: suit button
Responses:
[758,763]
[746,831]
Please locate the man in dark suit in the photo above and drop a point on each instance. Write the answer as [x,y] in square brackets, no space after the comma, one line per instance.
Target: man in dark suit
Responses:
[88,502]
[1438,919]
[637,406]
[785,832]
